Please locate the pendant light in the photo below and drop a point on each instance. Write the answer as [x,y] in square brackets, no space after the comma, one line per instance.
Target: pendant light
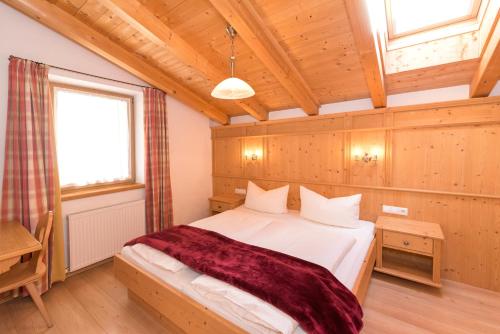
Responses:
[232,88]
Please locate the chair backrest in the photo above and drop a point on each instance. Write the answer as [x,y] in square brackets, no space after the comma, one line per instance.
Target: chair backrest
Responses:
[42,234]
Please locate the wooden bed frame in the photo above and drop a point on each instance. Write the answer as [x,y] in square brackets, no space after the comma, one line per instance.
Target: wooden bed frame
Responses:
[181,314]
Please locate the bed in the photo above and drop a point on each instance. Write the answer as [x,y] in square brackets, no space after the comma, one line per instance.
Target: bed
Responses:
[186,307]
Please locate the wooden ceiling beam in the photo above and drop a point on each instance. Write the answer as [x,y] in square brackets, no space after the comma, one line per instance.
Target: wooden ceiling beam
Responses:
[251,28]
[488,71]
[141,18]
[67,25]
[369,53]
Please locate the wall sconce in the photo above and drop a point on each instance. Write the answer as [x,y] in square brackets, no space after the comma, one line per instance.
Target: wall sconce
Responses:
[366,157]
[253,154]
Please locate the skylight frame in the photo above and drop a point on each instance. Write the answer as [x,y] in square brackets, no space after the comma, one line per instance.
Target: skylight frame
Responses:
[476,5]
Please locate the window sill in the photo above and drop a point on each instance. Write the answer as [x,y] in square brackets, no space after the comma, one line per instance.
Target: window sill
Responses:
[70,195]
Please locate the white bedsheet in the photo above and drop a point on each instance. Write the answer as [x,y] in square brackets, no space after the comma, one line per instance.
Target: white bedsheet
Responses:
[157,258]
[239,224]
[304,239]
[295,236]
[244,305]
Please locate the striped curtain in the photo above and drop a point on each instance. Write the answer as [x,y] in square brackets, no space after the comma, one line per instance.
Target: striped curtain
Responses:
[30,186]
[157,169]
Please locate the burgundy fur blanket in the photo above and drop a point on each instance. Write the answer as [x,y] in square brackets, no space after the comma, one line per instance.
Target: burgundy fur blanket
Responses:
[307,292]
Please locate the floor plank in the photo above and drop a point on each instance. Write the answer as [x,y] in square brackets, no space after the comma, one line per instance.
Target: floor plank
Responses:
[95,302]
[107,285]
[6,321]
[456,308]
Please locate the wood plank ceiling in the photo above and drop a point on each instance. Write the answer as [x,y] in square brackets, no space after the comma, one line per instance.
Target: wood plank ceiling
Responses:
[293,53]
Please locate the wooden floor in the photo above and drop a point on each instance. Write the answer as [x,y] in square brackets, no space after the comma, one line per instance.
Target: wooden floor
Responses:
[94,302]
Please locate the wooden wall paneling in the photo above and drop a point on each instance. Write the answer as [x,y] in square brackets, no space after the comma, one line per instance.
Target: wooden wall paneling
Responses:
[388,123]
[471,228]
[322,157]
[368,121]
[222,132]
[388,153]
[256,130]
[228,157]
[278,156]
[460,112]
[368,173]
[225,185]
[214,154]
[346,161]
[427,155]
[388,118]
[314,125]
[347,149]
[314,157]
[253,168]
[456,159]
[440,160]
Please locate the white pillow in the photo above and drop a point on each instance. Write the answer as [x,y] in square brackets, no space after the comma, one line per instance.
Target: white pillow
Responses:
[271,201]
[338,211]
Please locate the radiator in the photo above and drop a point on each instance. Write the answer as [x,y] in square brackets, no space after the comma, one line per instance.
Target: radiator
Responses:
[99,234]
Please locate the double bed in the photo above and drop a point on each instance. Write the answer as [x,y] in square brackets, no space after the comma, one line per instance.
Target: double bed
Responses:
[188,301]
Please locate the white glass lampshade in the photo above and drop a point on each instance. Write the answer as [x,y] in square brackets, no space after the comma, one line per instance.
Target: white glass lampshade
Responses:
[232,89]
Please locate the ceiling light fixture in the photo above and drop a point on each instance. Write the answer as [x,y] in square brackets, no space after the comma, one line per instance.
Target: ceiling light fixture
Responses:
[232,88]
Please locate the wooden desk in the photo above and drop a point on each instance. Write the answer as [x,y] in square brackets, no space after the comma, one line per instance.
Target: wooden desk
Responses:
[15,241]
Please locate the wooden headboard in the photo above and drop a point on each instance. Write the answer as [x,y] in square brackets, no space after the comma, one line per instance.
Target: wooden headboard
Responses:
[440,160]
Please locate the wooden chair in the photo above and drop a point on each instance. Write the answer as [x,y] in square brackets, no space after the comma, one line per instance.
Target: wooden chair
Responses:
[28,273]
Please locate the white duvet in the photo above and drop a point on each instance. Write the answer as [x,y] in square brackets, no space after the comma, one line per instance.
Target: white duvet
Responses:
[289,234]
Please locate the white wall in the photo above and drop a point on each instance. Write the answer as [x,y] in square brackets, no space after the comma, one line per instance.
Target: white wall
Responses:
[190,162]
[190,148]
[424,96]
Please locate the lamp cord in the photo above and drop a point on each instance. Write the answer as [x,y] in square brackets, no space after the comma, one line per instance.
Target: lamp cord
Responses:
[232,58]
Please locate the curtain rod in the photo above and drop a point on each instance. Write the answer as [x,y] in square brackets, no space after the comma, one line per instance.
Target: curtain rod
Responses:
[83,73]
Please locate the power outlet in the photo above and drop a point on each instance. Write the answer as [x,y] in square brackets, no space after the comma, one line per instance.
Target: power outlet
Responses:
[240,191]
[395,210]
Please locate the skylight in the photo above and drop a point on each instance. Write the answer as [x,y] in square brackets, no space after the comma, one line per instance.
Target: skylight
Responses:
[411,16]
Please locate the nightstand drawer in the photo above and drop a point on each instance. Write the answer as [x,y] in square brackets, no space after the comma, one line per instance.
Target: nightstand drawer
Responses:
[409,242]
[220,206]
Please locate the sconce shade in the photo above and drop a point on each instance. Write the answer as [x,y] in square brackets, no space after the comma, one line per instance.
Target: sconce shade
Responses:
[232,89]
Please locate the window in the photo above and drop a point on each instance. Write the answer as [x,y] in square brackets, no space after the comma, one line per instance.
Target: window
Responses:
[405,17]
[94,137]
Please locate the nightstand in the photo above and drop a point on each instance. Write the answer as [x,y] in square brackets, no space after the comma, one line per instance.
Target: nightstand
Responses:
[221,203]
[409,249]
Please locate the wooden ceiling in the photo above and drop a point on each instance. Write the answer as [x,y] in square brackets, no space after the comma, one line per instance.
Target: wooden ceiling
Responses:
[293,53]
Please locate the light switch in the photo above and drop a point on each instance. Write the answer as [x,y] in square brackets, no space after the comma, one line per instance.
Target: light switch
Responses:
[395,210]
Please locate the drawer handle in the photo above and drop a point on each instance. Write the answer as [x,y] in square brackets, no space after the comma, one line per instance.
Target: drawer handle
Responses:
[219,206]
[406,243]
